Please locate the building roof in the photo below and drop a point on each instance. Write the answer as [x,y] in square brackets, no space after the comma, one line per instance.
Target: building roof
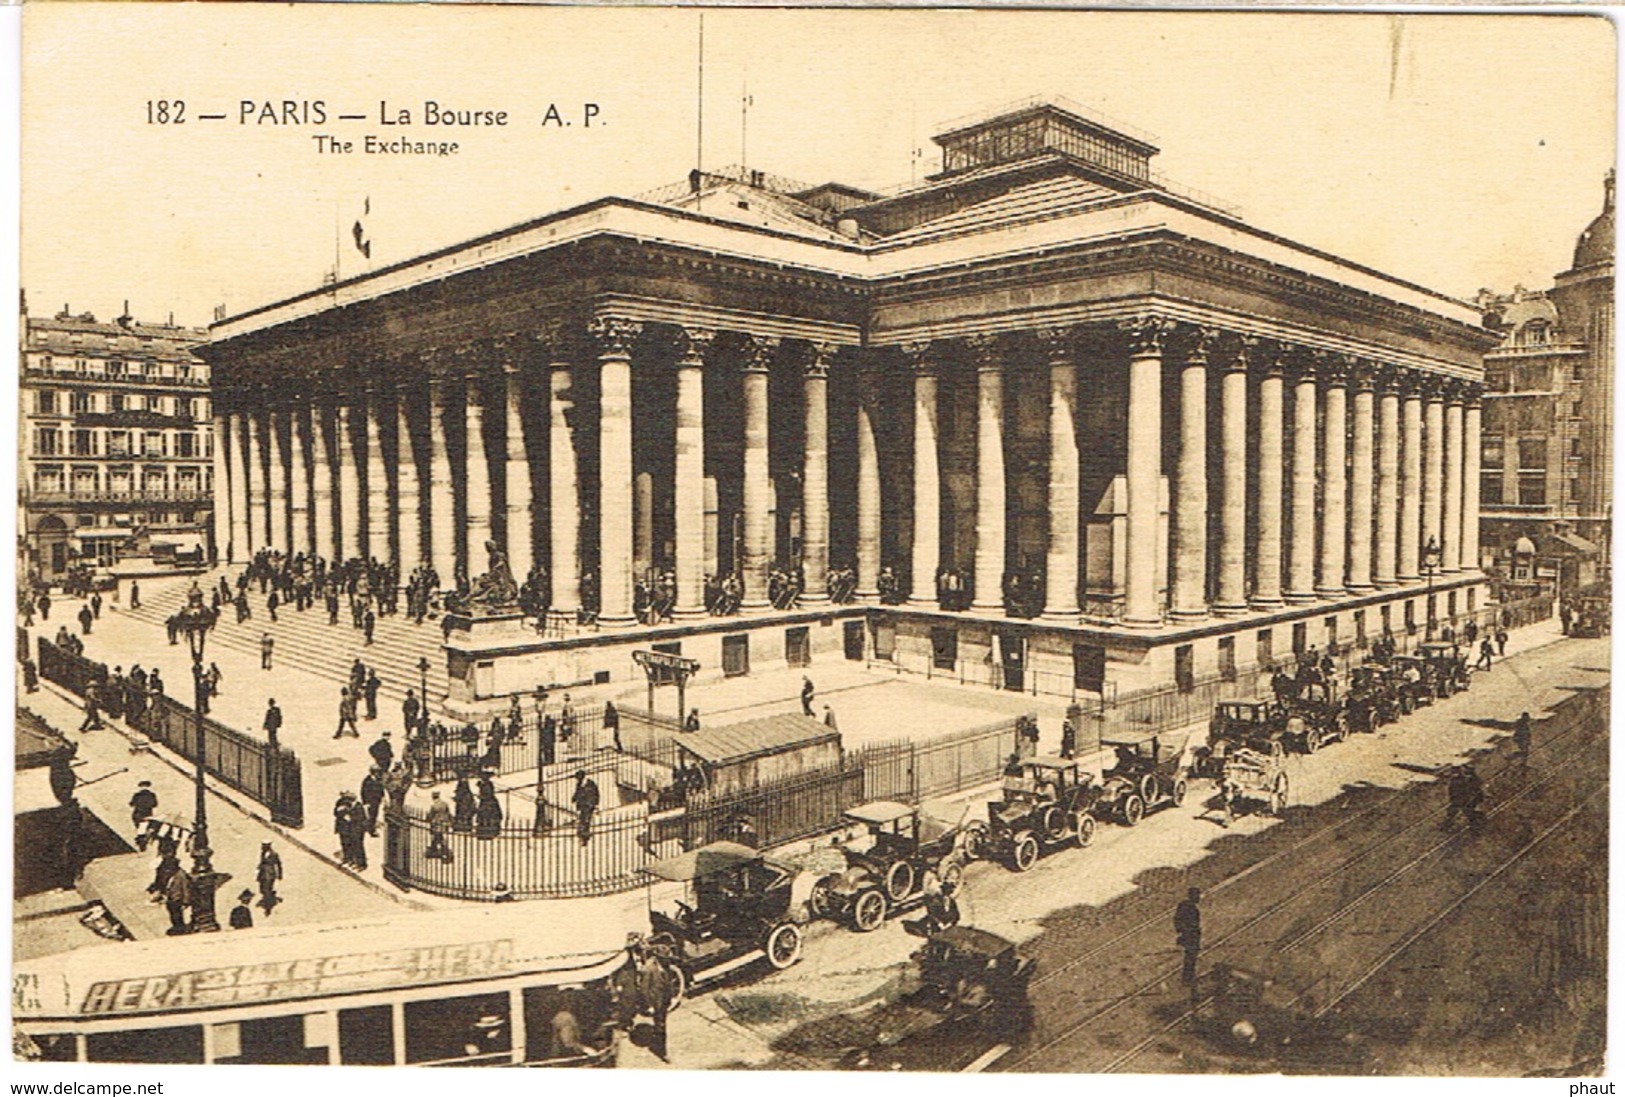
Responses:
[1596,243]
[84,335]
[38,743]
[755,738]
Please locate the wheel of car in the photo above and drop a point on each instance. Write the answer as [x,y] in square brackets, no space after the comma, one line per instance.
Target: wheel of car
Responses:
[1178,795]
[818,902]
[899,881]
[679,984]
[1056,824]
[1083,826]
[783,946]
[868,910]
[1311,741]
[1133,809]
[950,871]
[1024,852]
[1407,705]
[974,842]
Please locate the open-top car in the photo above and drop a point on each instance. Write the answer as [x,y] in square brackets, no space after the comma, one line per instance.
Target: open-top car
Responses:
[739,906]
[1147,774]
[1416,679]
[967,971]
[886,868]
[1317,719]
[1449,666]
[1046,800]
[1373,699]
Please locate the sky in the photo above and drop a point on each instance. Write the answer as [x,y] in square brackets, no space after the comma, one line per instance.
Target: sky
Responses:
[1454,151]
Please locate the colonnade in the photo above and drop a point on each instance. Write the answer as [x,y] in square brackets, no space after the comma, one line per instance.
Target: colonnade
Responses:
[1331,485]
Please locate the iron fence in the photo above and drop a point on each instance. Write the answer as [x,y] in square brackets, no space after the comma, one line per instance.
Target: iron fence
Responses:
[475,748]
[770,814]
[903,769]
[248,765]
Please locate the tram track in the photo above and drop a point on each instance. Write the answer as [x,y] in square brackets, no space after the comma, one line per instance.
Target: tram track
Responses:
[1518,795]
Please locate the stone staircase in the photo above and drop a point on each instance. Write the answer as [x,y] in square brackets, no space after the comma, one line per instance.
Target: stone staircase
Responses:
[306,642]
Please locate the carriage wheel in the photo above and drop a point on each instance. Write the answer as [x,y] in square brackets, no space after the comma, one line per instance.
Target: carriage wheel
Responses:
[1311,741]
[899,881]
[974,843]
[1024,853]
[950,871]
[1083,826]
[678,982]
[818,901]
[1056,825]
[783,945]
[868,910]
[1179,792]
[1133,809]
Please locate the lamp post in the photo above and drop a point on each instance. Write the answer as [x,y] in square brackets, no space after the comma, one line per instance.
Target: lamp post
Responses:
[423,689]
[195,621]
[1431,554]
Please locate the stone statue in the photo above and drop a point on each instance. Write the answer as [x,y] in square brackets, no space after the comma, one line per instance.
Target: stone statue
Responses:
[496,589]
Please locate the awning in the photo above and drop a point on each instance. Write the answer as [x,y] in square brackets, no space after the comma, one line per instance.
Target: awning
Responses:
[184,541]
[1576,543]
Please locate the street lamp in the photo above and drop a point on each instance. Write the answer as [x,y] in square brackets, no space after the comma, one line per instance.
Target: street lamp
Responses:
[423,689]
[1431,555]
[195,620]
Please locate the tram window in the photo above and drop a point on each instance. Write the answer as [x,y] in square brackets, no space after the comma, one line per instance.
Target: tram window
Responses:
[181,1044]
[267,1040]
[367,1036]
[546,1029]
[458,1029]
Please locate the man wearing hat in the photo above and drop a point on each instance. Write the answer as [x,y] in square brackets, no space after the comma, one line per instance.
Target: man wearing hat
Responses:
[268,874]
[142,805]
[585,800]
[383,752]
[241,916]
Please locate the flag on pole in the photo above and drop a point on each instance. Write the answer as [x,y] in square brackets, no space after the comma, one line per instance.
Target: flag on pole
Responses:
[362,244]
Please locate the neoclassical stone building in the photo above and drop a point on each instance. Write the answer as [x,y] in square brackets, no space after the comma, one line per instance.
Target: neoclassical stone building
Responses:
[1193,443]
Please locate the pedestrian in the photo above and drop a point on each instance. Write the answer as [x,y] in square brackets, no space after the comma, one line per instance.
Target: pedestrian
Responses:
[1566,616]
[829,718]
[84,620]
[1466,797]
[1188,934]
[44,606]
[1523,734]
[358,830]
[439,827]
[266,644]
[383,752]
[1486,654]
[488,813]
[409,710]
[1069,739]
[155,684]
[369,690]
[177,898]
[549,735]
[169,863]
[214,679]
[396,783]
[612,723]
[273,721]
[1501,641]
[96,605]
[806,696]
[93,712]
[462,819]
[567,720]
[30,676]
[241,916]
[135,594]
[655,994]
[368,623]
[142,806]
[341,827]
[585,800]
[692,722]
[268,874]
[271,604]
[372,797]
[346,714]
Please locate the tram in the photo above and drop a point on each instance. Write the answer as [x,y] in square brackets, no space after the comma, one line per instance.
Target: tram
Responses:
[496,986]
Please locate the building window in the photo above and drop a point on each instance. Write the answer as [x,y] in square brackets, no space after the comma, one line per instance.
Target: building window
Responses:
[1300,638]
[1185,668]
[48,481]
[1532,489]
[1577,412]
[80,402]
[153,444]
[1266,649]
[1359,628]
[118,443]
[45,402]
[1532,453]
[115,367]
[1577,372]
[48,442]
[116,401]
[186,444]
[1227,658]
[1493,453]
[1574,489]
[84,443]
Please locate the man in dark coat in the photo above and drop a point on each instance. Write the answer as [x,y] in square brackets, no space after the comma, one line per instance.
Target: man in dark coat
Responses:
[241,916]
[142,805]
[383,753]
[372,797]
[268,874]
[273,721]
[409,710]
[1523,734]
[369,690]
[807,694]
[1188,933]
[84,619]
[549,738]
[585,799]
[177,898]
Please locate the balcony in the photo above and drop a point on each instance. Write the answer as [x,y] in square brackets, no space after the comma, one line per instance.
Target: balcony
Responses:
[117,497]
[150,420]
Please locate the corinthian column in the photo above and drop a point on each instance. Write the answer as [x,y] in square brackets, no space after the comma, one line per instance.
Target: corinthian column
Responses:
[815,475]
[519,524]
[321,483]
[298,480]
[257,524]
[1450,538]
[1433,464]
[377,546]
[1471,456]
[1144,474]
[1301,551]
[477,477]
[349,486]
[615,336]
[1232,593]
[1362,465]
[1061,559]
[1411,488]
[988,596]
[869,492]
[1271,480]
[688,508]
[408,516]
[1387,573]
[563,490]
[758,547]
[277,536]
[1190,486]
[222,489]
[237,469]
[442,517]
[1334,481]
[927,497]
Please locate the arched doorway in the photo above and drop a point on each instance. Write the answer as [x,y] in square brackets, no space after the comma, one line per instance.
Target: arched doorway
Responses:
[51,546]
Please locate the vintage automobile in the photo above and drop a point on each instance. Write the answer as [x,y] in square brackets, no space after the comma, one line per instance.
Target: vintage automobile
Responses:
[1448,665]
[746,906]
[1252,1015]
[1372,701]
[965,971]
[1417,679]
[1245,720]
[1591,613]
[1147,774]
[904,841]
[1316,720]
[1046,801]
